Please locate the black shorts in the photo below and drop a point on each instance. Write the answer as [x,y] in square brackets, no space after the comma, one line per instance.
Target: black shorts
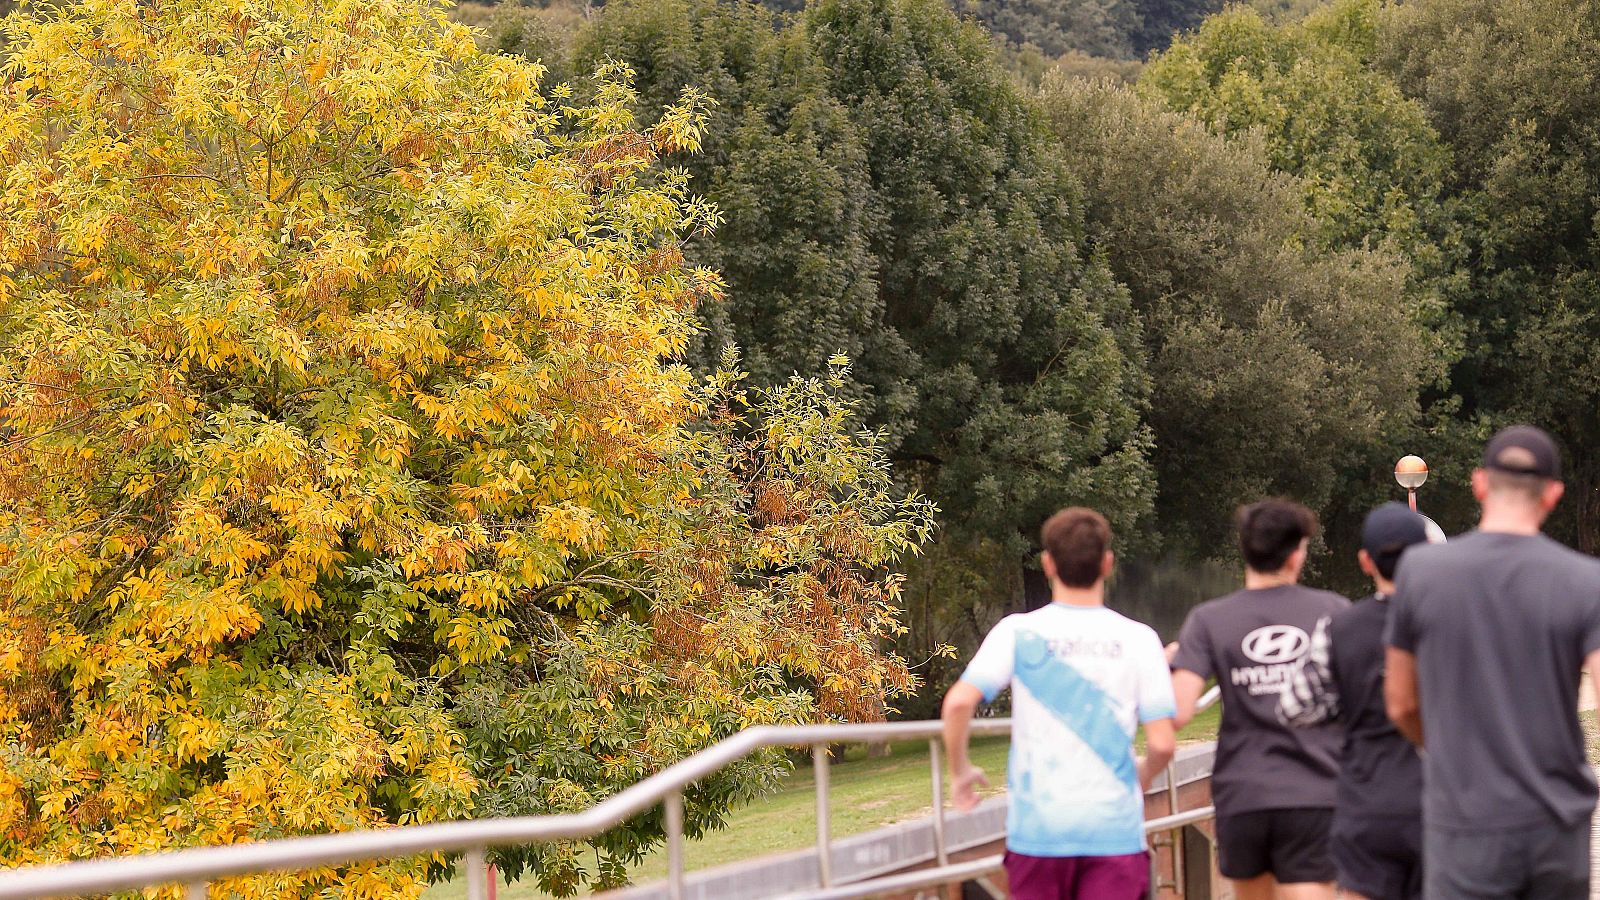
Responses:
[1548,862]
[1379,857]
[1291,844]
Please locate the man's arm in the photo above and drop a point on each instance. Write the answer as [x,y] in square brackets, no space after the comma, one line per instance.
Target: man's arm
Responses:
[1192,664]
[1400,693]
[1592,663]
[1160,743]
[965,778]
[1186,690]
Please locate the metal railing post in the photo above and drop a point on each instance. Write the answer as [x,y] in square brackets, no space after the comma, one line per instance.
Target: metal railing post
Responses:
[1172,790]
[195,891]
[936,762]
[819,763]
[1176,835]
[477,875]
[674,808]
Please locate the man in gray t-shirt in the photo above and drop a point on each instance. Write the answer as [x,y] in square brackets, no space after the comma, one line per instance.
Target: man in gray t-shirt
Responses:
[1488,636]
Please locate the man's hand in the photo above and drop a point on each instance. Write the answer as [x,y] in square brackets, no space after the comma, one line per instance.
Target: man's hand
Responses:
[965,777]
[1187,689]
[964,788]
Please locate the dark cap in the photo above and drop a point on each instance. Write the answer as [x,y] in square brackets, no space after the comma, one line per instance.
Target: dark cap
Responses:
[1388,531]
[1523,450]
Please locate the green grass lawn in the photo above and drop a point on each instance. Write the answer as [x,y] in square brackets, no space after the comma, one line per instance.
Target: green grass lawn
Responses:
[1202,727]
[867,794]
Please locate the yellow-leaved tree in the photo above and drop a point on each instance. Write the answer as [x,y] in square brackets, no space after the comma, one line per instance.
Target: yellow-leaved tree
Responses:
[347,479]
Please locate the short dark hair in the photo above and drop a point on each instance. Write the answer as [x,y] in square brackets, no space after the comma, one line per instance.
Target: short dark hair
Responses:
[1271,530]
[1077,539]
[1530,487]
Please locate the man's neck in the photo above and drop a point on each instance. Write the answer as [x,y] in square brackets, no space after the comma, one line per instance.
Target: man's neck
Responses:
[1094,595]
[1258,581]
[1510,520]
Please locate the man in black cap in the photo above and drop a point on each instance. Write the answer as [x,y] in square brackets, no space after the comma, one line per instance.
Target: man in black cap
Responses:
[1376,839]
[1488,637]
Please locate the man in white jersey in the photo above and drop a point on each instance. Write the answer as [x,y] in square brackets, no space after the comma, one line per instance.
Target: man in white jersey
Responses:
[1082,679]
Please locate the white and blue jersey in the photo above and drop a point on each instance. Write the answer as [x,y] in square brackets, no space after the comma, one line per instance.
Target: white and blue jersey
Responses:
[1082,679]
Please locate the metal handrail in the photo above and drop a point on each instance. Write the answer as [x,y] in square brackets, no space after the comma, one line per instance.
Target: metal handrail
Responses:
[199,866]
[947,873]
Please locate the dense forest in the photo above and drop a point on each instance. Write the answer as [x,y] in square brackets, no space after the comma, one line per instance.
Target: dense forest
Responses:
[1304,240]
[1100,31]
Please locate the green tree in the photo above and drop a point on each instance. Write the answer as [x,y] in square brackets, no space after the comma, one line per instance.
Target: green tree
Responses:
[1273,363]
[1105,28]
[1513,87]
[1025,353]
[1161,20]
[1369,163]
[786,167]
[890,193]
[1371,171]
[541,35]
[347,479]
[1032,67]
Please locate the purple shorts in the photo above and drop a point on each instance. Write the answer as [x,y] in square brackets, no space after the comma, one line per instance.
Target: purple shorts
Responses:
[1078,877]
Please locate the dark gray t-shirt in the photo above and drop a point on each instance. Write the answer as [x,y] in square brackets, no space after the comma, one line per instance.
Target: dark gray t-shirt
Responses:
[1251,641]
[1380,773]
[1500,625]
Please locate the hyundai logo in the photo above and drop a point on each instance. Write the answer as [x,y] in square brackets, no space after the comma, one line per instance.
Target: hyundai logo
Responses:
[1275,644]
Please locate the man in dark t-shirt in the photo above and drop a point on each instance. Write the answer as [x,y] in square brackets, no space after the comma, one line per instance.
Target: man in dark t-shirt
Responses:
[1488,636]
[1377,824]
[1273,786]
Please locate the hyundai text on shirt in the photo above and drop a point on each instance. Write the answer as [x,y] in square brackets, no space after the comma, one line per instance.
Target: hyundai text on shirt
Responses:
[1251,641]
[1082,679]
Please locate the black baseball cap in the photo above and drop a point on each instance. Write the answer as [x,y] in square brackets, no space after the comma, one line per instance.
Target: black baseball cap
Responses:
[1523,450]
[1388,531]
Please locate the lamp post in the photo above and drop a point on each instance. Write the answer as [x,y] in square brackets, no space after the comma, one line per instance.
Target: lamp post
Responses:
[1411,472]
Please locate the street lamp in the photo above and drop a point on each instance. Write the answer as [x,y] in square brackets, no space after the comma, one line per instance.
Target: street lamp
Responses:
[1411,472]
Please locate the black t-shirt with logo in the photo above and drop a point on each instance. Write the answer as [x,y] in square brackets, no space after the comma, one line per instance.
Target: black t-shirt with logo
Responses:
[1500,625]
[1380,772]
[1251,641]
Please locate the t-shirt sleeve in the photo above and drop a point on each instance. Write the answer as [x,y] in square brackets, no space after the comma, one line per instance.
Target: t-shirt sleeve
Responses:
[1155,681]
[1591,631]
[991,667]
[1194,646]
[1401,630]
